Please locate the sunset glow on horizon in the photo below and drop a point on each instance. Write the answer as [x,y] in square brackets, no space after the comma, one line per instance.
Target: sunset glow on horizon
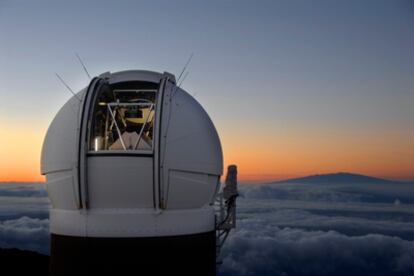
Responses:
[277,158]
[293,89]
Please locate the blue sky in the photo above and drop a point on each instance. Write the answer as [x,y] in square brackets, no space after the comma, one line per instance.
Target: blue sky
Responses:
[280,69]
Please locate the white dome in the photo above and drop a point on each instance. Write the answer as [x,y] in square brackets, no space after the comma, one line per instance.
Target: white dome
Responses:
[132,155]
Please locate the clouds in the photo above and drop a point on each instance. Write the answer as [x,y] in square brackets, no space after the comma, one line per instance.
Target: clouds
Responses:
[317,230]
[22,190]
[303,192]
[361,219]
[352,219]
[369,193]
[25,233]
[261,250]
[24,217]
[18,200]
[311,230]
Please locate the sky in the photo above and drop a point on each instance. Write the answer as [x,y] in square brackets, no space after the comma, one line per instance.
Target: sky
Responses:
[293,87]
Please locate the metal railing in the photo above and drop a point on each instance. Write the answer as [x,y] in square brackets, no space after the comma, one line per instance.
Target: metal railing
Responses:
[225,203]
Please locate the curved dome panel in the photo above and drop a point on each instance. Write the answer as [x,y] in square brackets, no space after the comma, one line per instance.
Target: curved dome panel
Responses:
[59,155]
[59,150]
[192,142]
[191,156]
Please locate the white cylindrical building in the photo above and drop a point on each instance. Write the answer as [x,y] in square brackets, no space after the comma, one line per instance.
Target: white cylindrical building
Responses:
[132,166]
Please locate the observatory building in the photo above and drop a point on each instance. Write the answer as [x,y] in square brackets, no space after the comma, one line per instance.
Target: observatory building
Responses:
[133,166]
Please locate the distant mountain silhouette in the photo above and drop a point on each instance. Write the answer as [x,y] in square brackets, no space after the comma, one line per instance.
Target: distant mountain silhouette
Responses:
[341,177]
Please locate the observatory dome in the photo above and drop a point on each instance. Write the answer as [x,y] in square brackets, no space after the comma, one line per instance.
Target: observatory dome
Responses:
[131,155]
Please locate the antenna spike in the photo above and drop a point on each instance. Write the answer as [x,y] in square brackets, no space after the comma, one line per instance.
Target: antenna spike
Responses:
[185,76]
[83,65]
[179,85]
[67,86]
[185,67]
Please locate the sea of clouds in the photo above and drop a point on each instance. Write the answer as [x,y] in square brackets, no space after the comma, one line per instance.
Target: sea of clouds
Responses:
[24,217]
[282,229]
[322,229]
